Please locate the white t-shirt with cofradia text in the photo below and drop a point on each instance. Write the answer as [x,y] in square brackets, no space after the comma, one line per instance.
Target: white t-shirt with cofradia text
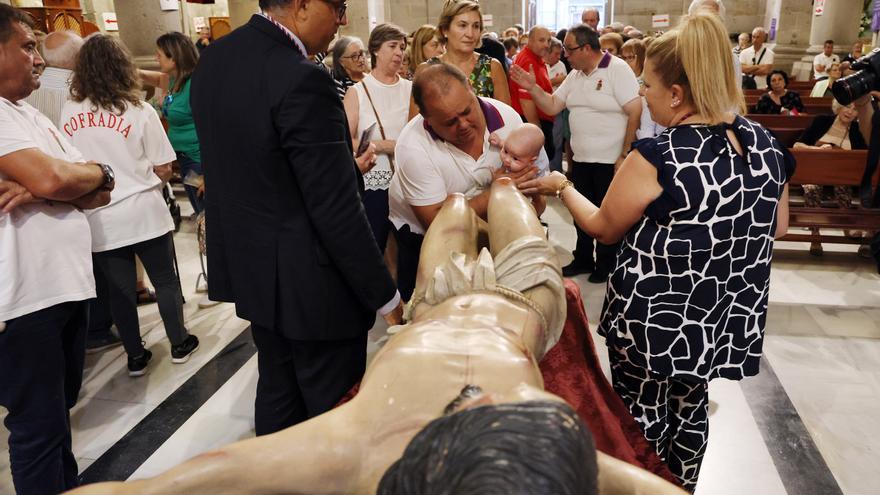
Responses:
[132,143]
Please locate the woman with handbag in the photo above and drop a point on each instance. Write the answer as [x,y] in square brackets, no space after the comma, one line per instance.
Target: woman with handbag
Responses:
[381,98]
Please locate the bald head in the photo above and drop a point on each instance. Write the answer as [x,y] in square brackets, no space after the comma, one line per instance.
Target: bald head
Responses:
[707,6]
[539,41]
[590,17]
[435,81]
[522,147]
[60,49]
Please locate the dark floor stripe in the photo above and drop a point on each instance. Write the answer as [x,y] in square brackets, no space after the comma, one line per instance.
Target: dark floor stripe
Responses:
[132,450]
[797,459]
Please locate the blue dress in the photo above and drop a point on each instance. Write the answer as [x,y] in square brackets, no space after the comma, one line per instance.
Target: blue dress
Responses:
[688,297]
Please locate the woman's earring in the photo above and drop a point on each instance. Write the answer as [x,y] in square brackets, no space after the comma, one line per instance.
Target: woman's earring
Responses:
[675,102]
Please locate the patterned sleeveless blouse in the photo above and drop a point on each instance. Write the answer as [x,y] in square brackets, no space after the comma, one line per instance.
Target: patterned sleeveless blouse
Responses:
[480,78]
[688,297]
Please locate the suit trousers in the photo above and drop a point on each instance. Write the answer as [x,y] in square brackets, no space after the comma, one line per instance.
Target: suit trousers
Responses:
[300,379]
[41,366]
[409,247]
[592,180]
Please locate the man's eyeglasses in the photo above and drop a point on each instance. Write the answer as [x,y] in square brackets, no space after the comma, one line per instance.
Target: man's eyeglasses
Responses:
[569,50]
[340,9]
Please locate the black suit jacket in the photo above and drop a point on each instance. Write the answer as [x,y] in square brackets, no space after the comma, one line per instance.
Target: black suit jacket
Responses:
[288,239]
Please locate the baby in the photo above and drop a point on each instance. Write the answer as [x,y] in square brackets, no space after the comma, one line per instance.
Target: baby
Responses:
[521,148]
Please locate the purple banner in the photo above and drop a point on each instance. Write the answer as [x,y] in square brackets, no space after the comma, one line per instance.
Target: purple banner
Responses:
[875,19]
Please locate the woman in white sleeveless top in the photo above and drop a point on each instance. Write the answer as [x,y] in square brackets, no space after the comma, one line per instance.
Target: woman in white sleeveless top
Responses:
[381,98]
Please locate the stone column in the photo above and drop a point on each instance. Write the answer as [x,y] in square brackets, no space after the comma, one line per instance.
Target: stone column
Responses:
[793,21]
[240,11]
[140,23]
[839,22]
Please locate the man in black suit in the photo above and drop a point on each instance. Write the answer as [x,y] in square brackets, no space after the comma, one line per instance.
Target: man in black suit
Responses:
[288,239]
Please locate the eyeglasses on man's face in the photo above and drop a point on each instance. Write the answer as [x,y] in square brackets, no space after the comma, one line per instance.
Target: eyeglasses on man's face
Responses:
[571,49]
[340,8]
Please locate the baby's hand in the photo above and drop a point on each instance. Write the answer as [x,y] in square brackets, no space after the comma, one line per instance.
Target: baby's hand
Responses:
[495,140]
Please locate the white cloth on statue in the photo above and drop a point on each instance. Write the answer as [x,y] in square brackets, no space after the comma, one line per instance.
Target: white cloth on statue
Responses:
[524,264]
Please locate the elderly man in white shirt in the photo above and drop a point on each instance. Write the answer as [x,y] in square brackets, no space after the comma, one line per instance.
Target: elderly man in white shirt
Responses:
[757,60]
[46,267]
[445,149]
[60,49]
[602,94]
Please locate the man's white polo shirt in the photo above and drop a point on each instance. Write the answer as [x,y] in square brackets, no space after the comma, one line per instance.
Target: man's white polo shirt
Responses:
[429,169]
[595,102]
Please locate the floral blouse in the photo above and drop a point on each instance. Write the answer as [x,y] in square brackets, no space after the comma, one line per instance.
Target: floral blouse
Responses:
[480,78]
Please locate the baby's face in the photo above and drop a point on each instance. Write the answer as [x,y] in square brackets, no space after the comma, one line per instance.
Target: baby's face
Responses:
[516,158]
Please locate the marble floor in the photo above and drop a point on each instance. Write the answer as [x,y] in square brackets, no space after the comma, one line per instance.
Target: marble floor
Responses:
[806,425]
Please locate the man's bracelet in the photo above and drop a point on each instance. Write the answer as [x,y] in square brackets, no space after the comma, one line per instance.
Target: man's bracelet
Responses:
[566,183]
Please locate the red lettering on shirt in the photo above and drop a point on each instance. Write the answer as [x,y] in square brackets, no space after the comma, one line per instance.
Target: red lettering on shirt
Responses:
[111,121]
[126,131]
[101,120]
[91,119]
[67,130]
[82,120]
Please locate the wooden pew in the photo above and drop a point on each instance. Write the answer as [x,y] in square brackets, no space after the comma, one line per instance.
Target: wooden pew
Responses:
[782,121]
[787,136]
[809,100]
[831,168]
[804,93]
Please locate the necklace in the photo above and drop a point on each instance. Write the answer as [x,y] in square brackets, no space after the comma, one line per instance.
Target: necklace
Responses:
[683,118]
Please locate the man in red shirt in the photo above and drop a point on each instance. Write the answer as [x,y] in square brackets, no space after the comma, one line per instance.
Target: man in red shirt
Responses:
[531,58]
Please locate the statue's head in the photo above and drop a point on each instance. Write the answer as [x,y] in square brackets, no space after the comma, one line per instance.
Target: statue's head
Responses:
[513,448]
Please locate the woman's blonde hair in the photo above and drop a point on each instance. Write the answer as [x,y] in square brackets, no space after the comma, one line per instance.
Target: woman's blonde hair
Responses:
[679,57]
[421,37]
[453,8]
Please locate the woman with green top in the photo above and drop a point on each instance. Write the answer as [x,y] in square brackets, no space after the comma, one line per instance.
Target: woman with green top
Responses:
[177,57]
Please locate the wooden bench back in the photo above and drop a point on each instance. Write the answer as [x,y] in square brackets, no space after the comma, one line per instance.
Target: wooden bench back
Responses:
[806,100]
[782,121]
[830,167]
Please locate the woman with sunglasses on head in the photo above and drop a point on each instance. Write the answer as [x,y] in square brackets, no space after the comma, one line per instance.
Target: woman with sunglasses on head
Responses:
[177,57]
[349,63]
[106,119]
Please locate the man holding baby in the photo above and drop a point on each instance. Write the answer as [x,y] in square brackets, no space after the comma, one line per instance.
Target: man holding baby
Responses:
[454,145]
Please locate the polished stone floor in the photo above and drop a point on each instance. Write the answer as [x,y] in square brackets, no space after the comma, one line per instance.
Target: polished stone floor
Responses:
[806,425]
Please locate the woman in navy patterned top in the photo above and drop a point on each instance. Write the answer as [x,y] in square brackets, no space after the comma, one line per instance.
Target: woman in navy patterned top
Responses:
[697,209]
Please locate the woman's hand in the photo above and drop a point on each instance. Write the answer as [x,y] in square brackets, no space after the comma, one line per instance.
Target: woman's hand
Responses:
[367,160]
[519,178]
[545,186]
[525,80]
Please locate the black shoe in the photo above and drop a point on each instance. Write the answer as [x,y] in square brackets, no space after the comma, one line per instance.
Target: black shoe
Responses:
[575,268]
[99,341]
[181,353]
[598,277]
[138,366]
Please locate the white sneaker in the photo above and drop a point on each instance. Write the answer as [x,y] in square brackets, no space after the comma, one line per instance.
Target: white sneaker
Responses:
[205,303]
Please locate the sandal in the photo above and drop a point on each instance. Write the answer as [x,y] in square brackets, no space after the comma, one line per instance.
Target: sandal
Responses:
[146,295]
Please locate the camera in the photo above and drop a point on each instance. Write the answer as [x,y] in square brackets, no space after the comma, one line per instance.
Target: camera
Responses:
[852,87]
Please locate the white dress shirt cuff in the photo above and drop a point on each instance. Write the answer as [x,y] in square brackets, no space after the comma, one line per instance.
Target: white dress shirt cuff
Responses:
[390,305]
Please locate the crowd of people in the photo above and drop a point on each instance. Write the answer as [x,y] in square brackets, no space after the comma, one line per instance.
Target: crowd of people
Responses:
[319,164]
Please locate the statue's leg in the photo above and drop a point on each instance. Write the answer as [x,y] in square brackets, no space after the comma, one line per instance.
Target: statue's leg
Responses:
[454,229]
[512,216]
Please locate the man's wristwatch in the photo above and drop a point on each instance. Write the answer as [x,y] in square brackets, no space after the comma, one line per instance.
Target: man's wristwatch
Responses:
[566,183]
[109,176]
